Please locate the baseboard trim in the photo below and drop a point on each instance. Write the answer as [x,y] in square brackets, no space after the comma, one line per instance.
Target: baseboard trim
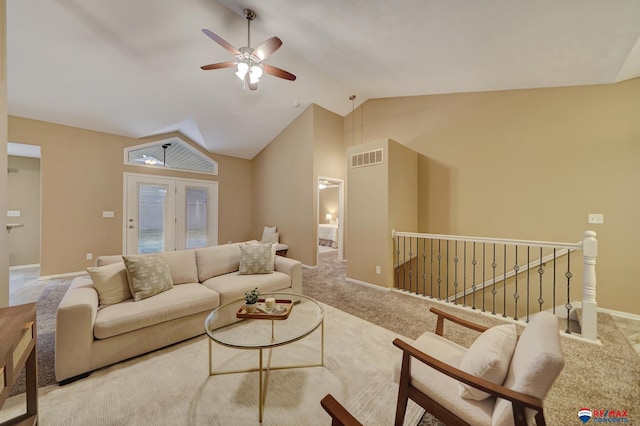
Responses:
[366,284]
[627,315]
[68,274]
[17,267]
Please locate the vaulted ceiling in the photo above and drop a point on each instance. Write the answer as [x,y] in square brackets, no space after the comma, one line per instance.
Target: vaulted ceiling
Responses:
[132,67]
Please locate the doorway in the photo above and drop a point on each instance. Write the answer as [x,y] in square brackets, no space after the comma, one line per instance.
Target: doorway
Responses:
[166,214]
[330,219]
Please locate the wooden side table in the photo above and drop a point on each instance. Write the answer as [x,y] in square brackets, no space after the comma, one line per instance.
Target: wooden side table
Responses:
[18,350]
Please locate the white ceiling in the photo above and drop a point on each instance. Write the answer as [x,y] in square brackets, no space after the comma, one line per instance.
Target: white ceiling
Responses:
[132,67]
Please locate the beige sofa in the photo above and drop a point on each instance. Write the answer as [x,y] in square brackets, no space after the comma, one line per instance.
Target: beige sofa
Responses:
[89,336]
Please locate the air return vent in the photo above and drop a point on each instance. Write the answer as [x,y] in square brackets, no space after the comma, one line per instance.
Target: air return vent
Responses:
[368,158]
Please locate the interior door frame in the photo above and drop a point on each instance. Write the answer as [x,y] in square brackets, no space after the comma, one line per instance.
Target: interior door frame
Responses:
[212,225]
[340,216]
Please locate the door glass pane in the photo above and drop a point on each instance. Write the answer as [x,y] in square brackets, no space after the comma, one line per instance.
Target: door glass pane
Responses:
[196,217]
[151,208]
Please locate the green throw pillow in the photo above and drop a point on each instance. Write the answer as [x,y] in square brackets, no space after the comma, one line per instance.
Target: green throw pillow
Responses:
[148,275]
[257,258]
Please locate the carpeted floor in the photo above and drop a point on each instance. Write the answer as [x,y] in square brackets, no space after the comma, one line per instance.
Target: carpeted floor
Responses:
[597,377]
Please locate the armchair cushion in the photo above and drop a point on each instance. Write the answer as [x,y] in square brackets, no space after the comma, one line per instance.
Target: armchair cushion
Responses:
[536,362]
[489,357]
[442,388]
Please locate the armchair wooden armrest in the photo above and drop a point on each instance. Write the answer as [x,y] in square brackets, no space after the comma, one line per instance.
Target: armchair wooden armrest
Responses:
[519,400]
[339,415]
[444,315]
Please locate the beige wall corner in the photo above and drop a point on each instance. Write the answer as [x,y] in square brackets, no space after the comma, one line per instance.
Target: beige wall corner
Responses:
[24,196]
[82,175]
[4,238]
[527,164]
[282,184]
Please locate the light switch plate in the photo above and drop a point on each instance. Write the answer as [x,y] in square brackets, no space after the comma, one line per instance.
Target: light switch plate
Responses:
[13,213]
[596,218]
[107,214]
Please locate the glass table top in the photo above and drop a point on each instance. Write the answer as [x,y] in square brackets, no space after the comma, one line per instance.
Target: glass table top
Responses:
[305,317]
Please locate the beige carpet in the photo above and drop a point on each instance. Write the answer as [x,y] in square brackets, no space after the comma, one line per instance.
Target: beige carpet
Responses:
[172,386]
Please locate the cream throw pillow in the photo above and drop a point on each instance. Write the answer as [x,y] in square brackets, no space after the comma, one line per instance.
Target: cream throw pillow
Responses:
[257,258]
[268,230]
[489,357]
[111,283]
[148,275]
[273,238]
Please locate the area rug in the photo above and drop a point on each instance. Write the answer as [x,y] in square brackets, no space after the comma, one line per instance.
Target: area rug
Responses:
[46,307]
[172,387]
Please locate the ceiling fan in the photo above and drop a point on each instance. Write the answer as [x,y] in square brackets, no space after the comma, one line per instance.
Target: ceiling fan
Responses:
[249,63]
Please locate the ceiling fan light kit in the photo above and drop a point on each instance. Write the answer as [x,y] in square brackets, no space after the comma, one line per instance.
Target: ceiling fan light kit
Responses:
[249,65]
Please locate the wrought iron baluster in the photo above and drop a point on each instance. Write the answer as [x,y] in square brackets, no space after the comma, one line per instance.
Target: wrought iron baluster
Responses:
[404,263]
[568,274]
[473,277]
[455,278]
[431,268]
[424,266]
[493,290]
[554,281]
[446,296]
[417,266]
[504,283]
[540,273]
[528,276]
[484,261]
[410,265]
[397,268]
[464,276]
[516,296]
[439,270]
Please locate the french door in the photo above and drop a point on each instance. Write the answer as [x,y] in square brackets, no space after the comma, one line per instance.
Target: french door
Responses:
[165,214]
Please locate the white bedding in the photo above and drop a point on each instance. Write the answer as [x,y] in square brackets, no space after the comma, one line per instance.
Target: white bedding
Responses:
[328,234]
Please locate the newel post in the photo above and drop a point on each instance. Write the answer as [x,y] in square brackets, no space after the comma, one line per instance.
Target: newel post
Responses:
[589,304]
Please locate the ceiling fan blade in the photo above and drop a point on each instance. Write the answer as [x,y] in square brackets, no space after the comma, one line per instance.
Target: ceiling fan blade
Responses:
[278,72]
[267,48]
[221,42]
[218,65]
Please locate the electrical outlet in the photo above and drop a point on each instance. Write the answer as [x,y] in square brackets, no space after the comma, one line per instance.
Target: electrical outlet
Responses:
[596,218]
[378,270]
[89,256]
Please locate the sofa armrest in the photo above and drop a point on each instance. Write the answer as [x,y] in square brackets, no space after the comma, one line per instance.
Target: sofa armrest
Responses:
[75,318]
[293,268]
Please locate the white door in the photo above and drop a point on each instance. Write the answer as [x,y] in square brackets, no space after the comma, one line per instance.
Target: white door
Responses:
[165,214]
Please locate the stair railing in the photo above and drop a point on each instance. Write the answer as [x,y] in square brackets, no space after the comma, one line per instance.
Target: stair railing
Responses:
[501,276]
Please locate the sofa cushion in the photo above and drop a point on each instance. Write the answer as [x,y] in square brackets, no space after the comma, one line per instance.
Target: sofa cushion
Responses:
[273,238]
[267,231]
[180,301]
[232,286]
[257,258]
[536,362]
[182,264]
[108,260]
[440,387]
[217,260]
[489,357]
[148,275]
[111,283]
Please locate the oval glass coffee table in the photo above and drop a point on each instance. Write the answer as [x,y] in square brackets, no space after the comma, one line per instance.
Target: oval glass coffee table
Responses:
[265,331]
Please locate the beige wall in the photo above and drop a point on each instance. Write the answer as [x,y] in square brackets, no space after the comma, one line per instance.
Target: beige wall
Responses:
[329,203]
[526,164]
[285,178]
[24,196]
[328,158]
[82,175]
[283,188]
[4,238]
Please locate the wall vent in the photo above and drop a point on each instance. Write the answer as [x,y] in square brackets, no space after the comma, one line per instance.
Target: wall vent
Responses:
[366,158]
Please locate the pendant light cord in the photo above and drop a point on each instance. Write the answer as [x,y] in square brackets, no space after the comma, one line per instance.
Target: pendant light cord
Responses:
[352,98]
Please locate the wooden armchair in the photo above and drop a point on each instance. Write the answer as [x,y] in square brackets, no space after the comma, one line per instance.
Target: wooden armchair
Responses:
[430,376]
[339,415]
